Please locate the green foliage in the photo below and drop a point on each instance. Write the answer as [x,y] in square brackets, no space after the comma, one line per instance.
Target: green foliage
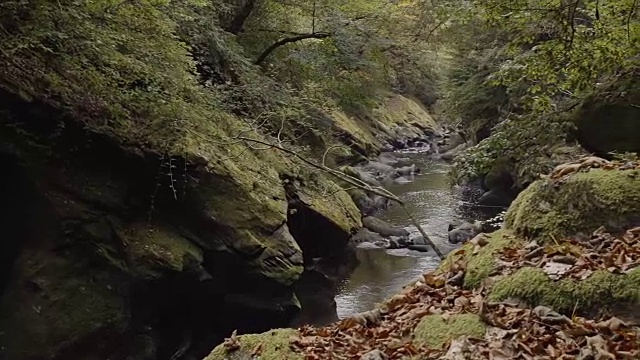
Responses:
[520,66]
[115,64]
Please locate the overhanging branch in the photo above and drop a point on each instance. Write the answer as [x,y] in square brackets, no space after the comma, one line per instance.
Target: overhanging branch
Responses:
[288,40]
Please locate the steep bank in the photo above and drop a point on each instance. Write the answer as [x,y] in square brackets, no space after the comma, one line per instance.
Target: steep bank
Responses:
[246,241]
[504,294]
[147,208]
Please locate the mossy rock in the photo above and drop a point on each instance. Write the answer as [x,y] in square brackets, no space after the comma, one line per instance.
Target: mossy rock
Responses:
[581,204]
[58,301]
[274,345]
[434,330]
[154,250]
[600,291]
[397,110]
[607,120]
[482,264]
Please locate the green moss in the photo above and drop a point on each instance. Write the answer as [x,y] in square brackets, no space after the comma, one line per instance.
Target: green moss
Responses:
[275,345]
[58,301]
[583,203]
[599,291]
[434,331]
[155,249]
[398,110]
[480,265]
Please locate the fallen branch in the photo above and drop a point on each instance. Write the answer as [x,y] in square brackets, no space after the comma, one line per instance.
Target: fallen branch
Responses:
[355,182]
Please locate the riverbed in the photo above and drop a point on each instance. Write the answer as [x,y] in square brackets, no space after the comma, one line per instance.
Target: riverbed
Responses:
[382,273]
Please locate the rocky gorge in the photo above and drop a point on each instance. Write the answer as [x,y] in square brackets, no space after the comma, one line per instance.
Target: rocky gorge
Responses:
[199,179]
[128,250]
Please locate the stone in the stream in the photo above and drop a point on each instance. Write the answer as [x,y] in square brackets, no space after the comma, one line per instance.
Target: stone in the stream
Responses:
[402,180]
[388,159]
[497,198]
[417,240]
[421,248]
[366,235]
[383,228]
[464,232]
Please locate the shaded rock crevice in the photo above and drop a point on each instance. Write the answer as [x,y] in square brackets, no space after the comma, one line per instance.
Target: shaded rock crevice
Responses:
[328,257]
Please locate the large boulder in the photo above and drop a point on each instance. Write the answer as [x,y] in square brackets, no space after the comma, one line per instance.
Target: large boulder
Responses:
[272,345]
[130,262]
[607,120]
[383,228]
[579,204]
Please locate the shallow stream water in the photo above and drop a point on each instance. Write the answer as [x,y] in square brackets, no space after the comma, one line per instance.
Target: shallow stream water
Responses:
[382,273]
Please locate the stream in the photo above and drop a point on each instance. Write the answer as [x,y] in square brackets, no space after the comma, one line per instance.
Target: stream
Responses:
[382,273]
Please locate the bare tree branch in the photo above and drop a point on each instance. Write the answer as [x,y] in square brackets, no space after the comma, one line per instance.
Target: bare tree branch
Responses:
[355,182]
[285,41]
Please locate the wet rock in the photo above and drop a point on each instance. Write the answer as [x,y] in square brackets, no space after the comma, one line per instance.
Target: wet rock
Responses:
[464,232]
[379,169]
[388,159]
[453,141]
[383,228]
[418,240]
[366,235]
[421,248]
[407,170]
[358,173]
[393,244]
[450,155]
[368,204]
[402,241]
[496,198]
[401,180]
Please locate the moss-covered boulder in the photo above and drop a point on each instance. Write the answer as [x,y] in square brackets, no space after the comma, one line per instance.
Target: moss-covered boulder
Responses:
[600,291]
[395,117]
[123,247]
[607,120]
[479,262]
[578,204]
[435,331]
[271,345]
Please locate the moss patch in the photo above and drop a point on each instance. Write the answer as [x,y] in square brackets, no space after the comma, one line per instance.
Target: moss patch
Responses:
[434,331]
[481,265]
[583,203]
[398,110]
[154,249]
[59,301]
[598,292]
[274,344]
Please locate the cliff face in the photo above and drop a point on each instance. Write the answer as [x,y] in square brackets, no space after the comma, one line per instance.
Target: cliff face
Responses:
[116,243]
[112,248]
[135,221]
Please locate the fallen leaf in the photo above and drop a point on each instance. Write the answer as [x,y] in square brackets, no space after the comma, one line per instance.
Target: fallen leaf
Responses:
[232,343]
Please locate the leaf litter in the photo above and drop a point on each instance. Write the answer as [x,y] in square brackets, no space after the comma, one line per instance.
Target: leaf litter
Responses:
[513,331]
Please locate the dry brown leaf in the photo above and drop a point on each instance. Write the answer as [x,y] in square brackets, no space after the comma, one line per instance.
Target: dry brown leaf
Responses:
[433,280]
[613,324]
[232,343]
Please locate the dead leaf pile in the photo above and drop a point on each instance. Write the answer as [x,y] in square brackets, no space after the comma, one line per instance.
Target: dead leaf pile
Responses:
[541,333]
[561,172]
[354,337]
[578,258]
[514,332]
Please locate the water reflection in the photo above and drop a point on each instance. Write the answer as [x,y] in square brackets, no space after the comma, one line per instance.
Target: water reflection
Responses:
[382,273]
